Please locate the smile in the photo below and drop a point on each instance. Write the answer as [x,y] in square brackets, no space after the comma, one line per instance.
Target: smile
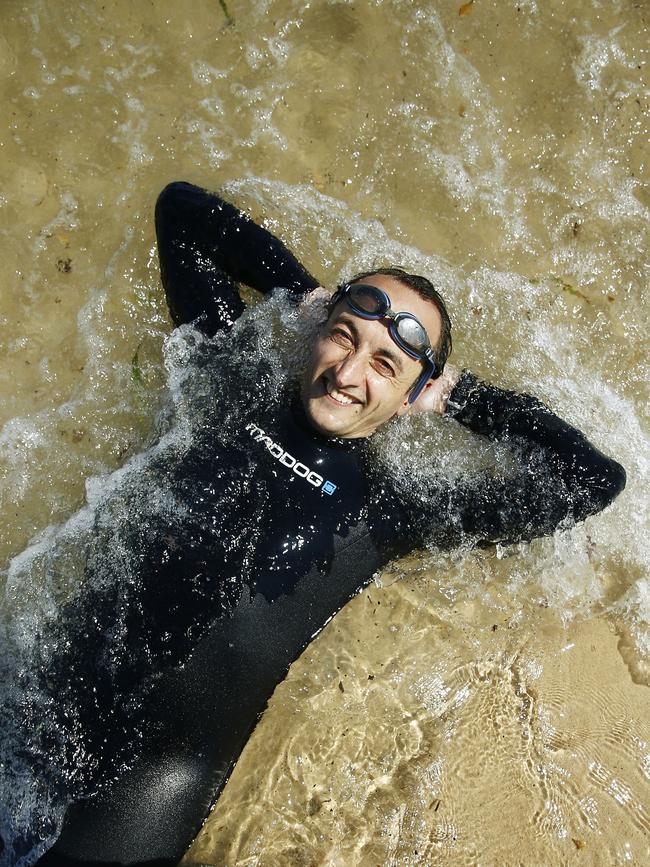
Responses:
[339,396]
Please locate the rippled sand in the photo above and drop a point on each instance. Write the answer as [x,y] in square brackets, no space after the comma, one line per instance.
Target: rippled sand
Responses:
[501,148]
[443,741]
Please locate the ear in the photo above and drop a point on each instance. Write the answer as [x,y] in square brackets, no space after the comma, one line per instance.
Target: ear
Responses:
[422,404]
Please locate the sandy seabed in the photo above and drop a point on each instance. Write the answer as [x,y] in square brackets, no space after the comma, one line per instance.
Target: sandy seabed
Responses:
[486,709]
[534,753]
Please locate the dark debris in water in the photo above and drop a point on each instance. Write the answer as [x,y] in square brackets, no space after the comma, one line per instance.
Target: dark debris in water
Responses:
[64,265]
[570,289]
[136,370]
[229,19]
[313,806]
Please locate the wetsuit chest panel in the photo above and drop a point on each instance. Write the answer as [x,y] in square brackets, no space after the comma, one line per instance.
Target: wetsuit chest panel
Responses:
[314,491]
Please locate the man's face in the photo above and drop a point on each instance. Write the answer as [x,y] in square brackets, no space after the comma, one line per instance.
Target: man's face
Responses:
[358,377]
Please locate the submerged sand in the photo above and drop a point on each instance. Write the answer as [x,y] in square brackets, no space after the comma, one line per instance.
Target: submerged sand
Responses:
[489,708]
[531,747]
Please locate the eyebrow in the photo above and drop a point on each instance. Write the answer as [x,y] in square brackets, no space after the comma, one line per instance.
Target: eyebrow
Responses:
[387,353]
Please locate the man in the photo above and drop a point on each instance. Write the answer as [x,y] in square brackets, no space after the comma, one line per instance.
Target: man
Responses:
[361,374]
[282,510]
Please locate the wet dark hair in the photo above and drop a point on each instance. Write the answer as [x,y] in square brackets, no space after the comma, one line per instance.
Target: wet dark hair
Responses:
[425,289]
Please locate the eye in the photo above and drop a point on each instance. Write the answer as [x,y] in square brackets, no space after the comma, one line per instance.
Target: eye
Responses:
[340,336]
[385,368]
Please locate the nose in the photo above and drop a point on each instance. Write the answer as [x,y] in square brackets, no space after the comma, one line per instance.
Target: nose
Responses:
[350,370]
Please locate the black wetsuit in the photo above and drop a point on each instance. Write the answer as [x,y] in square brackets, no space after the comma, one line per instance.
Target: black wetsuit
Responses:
[235,594]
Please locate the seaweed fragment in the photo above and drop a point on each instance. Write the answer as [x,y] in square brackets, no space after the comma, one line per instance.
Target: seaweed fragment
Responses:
[224,8]
[136,370]
[570,289]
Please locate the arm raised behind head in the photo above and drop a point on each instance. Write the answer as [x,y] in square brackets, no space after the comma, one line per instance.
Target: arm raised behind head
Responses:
[206,247]
[562,477]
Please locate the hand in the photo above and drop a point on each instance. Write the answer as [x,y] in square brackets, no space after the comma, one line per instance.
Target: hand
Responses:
[317,294]
[314,303]
[435,393]
[314,306]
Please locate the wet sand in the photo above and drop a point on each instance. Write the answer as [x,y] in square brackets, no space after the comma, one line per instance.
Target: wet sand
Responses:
[509,743]
[503,152]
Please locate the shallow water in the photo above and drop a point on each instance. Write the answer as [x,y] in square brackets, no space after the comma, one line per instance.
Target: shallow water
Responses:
[504,153]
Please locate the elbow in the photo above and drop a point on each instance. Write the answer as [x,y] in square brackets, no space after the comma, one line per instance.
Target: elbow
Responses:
[603,487]
[616,478]
[170,198]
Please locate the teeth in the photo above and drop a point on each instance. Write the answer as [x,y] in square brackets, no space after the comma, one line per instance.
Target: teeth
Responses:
[338,396]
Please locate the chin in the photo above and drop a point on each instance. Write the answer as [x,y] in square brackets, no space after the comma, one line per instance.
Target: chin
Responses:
[337,422]
[328,418]
[325,422]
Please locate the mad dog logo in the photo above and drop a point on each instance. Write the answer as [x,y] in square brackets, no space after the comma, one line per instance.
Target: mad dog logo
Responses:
[287,460]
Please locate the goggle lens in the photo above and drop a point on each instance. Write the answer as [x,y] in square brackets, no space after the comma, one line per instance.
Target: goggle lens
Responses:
[371,301]
[412,333]
[367,300]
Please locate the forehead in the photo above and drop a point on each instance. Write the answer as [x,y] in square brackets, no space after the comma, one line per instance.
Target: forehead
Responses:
[403,299]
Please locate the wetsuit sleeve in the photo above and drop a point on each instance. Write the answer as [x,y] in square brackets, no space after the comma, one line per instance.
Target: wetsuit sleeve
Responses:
[207,247]
[561,478]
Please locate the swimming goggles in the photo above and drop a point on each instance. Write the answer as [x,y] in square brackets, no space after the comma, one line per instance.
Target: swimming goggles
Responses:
[406,330]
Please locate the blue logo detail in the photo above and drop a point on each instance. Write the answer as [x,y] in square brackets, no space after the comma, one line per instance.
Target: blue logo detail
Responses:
[328,488]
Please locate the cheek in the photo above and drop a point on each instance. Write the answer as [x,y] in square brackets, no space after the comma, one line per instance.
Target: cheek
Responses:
[387,388]
[322,356]
[315,367]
